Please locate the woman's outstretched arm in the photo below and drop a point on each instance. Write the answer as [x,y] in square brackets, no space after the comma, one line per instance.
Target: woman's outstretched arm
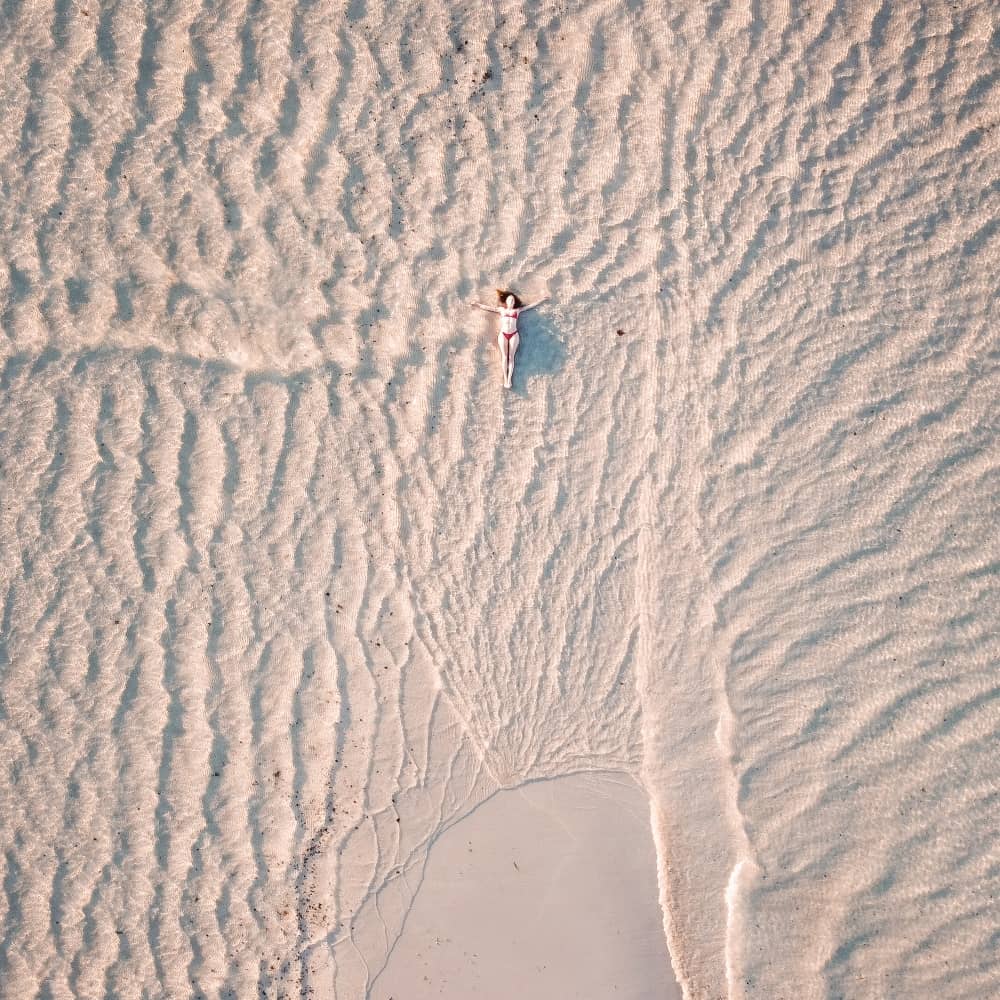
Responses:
[489,309]
[533,304]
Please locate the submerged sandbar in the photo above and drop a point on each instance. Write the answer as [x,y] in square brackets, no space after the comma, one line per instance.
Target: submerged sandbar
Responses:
[548,890]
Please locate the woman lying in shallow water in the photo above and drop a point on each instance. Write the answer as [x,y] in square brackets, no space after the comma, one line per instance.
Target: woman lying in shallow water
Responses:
[509,339]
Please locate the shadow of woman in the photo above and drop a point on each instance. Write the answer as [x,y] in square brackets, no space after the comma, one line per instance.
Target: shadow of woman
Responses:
[542,352]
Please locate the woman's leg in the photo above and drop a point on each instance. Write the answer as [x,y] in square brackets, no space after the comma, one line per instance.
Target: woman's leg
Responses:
[512,346]
[502,348]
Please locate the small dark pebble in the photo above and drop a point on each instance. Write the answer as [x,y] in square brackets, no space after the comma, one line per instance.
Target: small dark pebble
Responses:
[621,333]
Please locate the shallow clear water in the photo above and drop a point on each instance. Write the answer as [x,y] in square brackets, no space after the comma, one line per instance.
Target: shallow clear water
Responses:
[288,582]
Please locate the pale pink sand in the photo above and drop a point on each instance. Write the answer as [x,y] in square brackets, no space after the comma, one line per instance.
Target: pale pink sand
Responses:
[289,583]
[545,891]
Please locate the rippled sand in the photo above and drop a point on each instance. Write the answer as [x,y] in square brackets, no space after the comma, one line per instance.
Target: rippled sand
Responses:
[288,582]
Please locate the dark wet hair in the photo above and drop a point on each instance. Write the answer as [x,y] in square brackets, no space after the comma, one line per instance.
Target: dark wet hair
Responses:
[502,298]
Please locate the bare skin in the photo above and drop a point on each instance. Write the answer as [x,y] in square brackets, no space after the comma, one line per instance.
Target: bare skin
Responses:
[509,339]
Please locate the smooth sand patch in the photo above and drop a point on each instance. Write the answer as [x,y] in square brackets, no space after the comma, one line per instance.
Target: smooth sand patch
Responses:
[545,891]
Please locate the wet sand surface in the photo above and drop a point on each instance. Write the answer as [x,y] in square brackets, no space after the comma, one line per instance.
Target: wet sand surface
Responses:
[544,891]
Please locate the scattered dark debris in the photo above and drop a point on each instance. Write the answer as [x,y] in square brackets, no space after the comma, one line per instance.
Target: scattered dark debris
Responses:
[621,333]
